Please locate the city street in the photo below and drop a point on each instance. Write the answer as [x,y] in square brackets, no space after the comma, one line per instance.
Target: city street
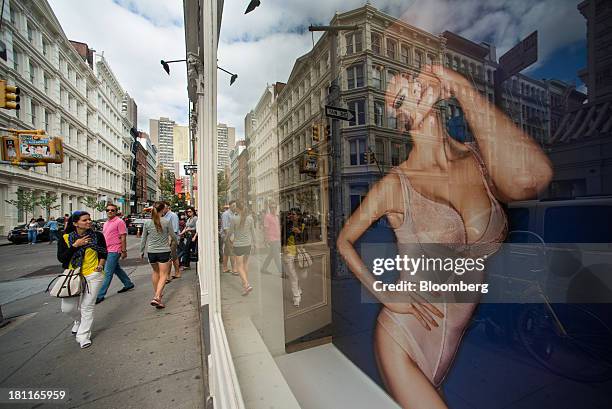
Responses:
[140,357]
[28,269]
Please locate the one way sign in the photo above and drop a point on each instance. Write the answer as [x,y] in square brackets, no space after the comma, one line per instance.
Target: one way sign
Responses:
[339,113]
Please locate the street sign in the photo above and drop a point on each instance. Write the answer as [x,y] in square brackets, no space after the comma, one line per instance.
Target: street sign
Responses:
[339,113]
[519,57]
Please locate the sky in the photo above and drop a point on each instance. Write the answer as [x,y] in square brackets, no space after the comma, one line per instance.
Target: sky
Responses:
[261,47]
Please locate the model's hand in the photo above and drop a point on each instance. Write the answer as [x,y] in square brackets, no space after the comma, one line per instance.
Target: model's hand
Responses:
[423,311]
[123,254]
[82,241]
[99,267]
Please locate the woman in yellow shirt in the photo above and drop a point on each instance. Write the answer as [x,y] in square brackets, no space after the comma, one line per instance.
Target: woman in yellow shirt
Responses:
[82,247]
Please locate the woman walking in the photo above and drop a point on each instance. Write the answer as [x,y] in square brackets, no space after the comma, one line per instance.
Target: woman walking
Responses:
[157,233]
[32,231]
[189,233]
[82,247]
[242,234]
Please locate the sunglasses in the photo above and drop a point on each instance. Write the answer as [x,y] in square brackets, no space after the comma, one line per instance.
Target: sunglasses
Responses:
[111,210]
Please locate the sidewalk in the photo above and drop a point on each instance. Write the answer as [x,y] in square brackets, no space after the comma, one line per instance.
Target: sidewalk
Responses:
[140,358]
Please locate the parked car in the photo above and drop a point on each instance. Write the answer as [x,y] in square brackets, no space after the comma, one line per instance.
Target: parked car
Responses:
[19,234]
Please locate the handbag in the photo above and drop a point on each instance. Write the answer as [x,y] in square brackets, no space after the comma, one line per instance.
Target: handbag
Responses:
[303,258]
[68,284]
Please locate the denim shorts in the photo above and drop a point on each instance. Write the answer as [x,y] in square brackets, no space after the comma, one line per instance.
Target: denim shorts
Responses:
[159,257]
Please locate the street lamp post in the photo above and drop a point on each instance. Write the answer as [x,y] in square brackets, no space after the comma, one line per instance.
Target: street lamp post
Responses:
[336,197]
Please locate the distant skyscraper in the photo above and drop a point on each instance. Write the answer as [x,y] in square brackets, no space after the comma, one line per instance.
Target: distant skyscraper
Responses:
[153,131]
[226,138]
[130,109]
[165,141]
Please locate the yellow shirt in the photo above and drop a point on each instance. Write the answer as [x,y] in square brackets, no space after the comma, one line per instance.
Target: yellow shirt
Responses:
[90,260]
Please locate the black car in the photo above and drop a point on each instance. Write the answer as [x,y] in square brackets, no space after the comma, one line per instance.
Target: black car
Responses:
[19,234]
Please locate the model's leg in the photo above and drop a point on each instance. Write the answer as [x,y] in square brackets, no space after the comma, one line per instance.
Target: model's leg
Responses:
[404,380]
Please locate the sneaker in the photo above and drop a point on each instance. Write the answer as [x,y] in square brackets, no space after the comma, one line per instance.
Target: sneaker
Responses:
[296,300]
[75,327]
[125,289]
[99,300]
[85,344]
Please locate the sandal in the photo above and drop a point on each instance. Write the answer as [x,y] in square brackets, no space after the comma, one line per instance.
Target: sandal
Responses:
[160,305]
[247,290]
[155,302]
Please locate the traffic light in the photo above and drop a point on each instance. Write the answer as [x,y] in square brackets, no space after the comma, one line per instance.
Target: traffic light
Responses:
[315,133]
[9,96]
[369,157]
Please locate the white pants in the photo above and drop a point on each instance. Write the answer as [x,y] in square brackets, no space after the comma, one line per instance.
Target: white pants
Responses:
[81,309]
[293,275]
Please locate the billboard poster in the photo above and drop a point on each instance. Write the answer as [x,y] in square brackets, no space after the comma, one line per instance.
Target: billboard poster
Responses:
[36,148]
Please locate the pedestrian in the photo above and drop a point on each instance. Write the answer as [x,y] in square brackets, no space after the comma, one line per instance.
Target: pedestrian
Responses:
[226,218]
[53,230]
[66,218]
[242,236]
[272,239]
[32,231]
[189,234]
[174,221]
[115,234]
[156,235]
[293,236]
[82,247]
[40,221]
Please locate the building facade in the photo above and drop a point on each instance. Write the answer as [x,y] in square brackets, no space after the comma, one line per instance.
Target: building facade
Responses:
[262,137]
[226,138]
[70,91]
[152,185]
[130,110]
[163,128]
[141,196]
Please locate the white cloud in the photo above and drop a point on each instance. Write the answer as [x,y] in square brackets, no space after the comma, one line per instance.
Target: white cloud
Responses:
[261,47]
[133,44]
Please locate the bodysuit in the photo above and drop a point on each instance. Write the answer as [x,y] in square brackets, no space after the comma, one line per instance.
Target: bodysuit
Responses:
[437,230]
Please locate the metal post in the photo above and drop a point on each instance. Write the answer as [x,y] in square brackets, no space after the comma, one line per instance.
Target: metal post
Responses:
[336,192]
[336,197]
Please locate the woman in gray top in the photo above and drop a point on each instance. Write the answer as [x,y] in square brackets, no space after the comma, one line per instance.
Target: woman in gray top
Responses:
[242,233]
[156,236]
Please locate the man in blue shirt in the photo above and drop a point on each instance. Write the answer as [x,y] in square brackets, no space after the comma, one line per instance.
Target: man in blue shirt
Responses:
[52,225]
[174,222]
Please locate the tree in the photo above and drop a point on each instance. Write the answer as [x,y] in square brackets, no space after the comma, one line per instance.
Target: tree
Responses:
[166,185]
[26,202]
[47,202]
[95,204]
[222,187]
